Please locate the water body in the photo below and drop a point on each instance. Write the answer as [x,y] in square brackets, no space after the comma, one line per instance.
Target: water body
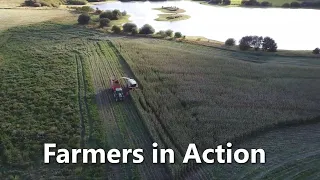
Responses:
[294,29]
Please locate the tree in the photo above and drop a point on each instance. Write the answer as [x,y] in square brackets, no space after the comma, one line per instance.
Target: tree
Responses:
[177,35]
[286,5]
[256,42]
[127,27]
[84,19]
[295,4]
[104,22]
[146,29]
[116,29]
[245,43]
[169,33]
[269,45]
[316,51]
[230,42]
[134,31]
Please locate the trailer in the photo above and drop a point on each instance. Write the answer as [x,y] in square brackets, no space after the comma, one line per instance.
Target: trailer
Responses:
[117,90]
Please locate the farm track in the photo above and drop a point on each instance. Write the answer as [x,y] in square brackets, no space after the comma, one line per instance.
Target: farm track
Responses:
[124,128]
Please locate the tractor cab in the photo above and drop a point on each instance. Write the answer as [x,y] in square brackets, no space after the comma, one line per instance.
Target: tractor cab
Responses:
[118,94]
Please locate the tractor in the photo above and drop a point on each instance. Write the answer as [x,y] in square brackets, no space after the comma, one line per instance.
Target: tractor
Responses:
[118,92]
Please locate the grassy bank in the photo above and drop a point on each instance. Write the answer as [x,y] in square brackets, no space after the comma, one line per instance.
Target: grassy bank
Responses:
[172,17]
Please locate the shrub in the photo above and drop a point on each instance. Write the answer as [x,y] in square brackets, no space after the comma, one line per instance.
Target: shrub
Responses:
[134,31]
[104,22]
[295,4]
[85,9]
[77,2]
[169,33]
[177,35]
[46,4]
[98,11]
[36,5]
[116,14]
[106,14]
[124,13]
[84,19]
[146,29]
[226,2]
[265,4]
[286,5]
[215,1]
[316,51]
[116,29]
[162,33]
[230,42]
[269,45]
[127,27]
[250,3]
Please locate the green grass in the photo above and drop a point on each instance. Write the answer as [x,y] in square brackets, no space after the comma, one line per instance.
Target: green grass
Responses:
[172,17]
[17,17]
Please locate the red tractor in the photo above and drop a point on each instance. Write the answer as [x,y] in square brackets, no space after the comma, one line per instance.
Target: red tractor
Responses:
[117,90]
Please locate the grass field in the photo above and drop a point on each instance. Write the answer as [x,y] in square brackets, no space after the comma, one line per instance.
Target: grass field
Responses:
[17,17]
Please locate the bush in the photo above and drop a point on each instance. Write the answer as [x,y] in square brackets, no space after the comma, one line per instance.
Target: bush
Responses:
[124,13]
[269,45]
[98,11]
[116,14]
[36,5]
[226,2]
[316,51]
[127,27]
[295,4]
[286,5]
[85,9]
[106,14]
[250,3]
[162,33]
[46,4]
[116,29]
[104,22]
[146,29]
[134,31]
[84,19]
[169,33]
[265,4]
[77,2]
[177,35]
[230,42]
[215,1]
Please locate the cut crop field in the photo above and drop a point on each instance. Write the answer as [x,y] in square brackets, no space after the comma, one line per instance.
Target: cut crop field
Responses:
[55,87]
[210,95]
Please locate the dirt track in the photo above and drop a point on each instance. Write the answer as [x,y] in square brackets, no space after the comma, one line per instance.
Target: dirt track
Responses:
[124,128]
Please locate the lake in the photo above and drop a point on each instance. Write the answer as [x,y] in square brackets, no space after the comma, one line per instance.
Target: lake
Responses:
[294,29]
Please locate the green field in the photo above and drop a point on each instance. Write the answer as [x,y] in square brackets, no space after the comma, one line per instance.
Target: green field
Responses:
[55,87]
